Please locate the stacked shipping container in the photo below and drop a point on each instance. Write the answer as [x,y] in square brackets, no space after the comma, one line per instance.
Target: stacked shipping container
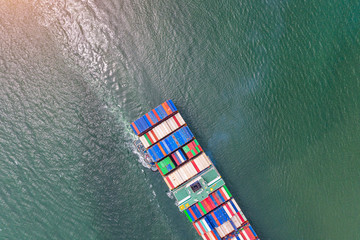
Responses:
[192,149]
[179,158]
[161,130]
[153,117]
[205,206]
[170,143]
[165,166]
[187,171]
[225,219]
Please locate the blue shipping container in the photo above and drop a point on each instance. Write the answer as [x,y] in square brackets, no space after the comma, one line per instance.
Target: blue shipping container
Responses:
[170,143]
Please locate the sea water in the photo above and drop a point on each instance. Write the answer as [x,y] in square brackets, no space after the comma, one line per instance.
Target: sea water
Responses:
[271,90]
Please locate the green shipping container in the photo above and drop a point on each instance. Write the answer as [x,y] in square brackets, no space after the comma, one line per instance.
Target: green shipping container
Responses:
[163,165]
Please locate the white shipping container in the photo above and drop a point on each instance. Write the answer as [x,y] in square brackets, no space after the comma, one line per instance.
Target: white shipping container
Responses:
[201,157]
[191,169]
[229,228]
[180,119]
[170,123]
[187,170]
[220,231]
[167,128]
[201,164]
[144,142]
[162,131]
[180,177]
[236,220]
[202,161]
[174,124]
[157,132]
[182,174]
[173,177]
[226,229]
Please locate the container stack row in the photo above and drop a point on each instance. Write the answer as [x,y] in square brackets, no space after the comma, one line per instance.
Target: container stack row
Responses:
[187,171]
[162,130]
[171,143]
[153,117]
[205,206]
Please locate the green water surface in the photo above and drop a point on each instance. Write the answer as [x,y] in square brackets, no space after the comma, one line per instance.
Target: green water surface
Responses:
[271,90]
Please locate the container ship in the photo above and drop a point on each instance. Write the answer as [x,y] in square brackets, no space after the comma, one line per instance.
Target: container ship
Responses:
[168,145]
